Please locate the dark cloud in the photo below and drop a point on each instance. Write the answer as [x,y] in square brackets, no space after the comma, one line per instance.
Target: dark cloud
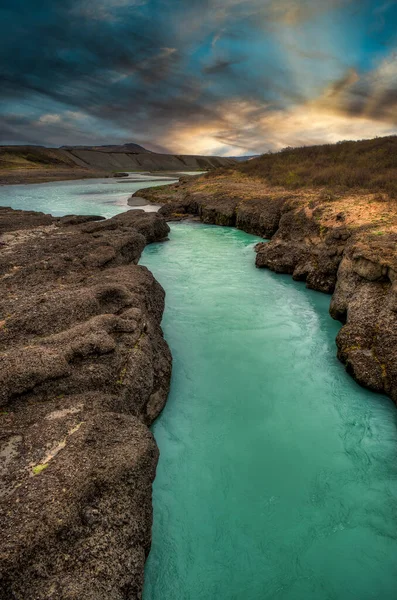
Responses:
[372,95]
[146,70]
[221,65]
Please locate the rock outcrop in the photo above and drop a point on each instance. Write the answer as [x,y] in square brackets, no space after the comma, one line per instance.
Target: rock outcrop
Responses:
[365,299]
[342,245]
[84,370]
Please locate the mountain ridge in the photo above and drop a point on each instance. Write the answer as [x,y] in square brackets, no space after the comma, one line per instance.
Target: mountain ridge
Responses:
[28,163]
[129,148]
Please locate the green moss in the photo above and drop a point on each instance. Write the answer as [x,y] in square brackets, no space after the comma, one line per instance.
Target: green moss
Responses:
[122,375]
[351,348]
[39,468]
[323,230]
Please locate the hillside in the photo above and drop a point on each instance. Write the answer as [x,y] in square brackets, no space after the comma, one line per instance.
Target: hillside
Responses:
[128,148]
[367,164]
[23,164]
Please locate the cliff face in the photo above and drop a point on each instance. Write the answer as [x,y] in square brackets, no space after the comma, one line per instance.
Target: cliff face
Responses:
[343,244]
[84,370]
[366,299]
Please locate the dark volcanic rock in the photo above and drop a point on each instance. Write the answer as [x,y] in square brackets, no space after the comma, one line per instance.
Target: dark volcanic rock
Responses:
[10,219]
[260,218]
[365,299]
[304,249]
[84,369]
[77,220]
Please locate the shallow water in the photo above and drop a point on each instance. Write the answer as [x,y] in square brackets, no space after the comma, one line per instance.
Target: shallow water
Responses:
[105,197]
[278,474]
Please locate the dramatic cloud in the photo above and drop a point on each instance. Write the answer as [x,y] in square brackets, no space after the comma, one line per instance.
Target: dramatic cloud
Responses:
[210,76]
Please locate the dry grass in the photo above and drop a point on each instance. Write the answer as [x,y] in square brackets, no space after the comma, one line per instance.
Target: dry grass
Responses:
[30,157]
[354,208]
[367,165]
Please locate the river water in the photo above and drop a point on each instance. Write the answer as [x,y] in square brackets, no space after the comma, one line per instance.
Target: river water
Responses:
[278,474]
[106,197]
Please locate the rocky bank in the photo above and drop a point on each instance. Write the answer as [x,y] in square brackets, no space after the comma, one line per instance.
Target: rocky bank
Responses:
[84,370]
[341,244]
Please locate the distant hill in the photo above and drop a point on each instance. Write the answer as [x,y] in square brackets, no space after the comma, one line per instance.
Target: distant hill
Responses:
[126,148]
[244,158]
[132,157]
[19,164]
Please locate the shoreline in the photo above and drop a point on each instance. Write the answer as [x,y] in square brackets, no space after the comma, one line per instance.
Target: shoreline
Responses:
[35,178]
[43,176]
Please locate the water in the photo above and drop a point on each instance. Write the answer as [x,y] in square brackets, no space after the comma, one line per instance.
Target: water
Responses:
[105,197]
[278,474]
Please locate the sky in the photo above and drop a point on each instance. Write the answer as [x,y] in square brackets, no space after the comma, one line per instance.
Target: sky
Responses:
[223,77]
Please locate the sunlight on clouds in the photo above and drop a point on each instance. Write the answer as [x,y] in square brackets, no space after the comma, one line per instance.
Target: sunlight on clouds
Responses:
[351,107]
[220,76]
[75,115]
[250,127]
[286,12]
[197,140]
[383,83]
[309,124]
[66,117]
[49,119]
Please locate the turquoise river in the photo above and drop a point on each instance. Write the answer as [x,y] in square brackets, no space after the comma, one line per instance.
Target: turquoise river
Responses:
[278,473]
[277,478]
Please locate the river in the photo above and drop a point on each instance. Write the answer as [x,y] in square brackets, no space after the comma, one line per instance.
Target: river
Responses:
[278,474]
[106,197]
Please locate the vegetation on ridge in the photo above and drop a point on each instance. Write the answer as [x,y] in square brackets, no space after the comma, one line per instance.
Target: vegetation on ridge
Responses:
[367,164]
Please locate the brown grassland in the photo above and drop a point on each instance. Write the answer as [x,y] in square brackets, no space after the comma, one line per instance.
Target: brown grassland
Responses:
[367,164]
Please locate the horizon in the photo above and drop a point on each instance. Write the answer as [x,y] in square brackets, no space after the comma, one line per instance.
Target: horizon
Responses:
[123,143]
[223,77]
